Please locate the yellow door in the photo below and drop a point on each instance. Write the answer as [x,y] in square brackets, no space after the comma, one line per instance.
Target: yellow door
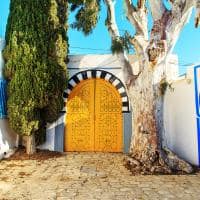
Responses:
[94,118]
[108,117]
[80,118]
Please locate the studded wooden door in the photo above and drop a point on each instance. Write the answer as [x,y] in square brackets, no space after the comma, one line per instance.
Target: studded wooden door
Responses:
[80,118]
[94,118]
[108,117]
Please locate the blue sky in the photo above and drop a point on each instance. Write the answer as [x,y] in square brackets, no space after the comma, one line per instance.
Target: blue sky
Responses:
[187,47]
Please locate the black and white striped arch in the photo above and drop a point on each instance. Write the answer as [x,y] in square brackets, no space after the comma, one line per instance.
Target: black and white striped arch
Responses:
[83,75]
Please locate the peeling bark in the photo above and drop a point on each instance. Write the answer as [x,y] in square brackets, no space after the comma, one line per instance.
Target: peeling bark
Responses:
[157,9]
[146,153]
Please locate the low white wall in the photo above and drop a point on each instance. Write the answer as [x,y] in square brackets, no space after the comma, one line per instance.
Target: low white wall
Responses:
[180,119]
[53,134]
[8,139]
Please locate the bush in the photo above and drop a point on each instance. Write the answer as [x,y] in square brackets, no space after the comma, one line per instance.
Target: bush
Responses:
[35,56]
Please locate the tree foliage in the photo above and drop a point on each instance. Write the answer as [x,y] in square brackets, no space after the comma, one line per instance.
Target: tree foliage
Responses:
[121,44]
[35,55]
[87,14]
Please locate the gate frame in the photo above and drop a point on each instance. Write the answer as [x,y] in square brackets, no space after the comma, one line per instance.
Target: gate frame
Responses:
[120,87]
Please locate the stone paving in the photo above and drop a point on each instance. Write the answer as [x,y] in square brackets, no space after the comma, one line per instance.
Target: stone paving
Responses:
[89,176]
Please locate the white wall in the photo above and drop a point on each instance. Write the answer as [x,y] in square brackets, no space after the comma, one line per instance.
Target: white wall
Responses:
[52,135]
[8,139]
[180,119]
[110,63]
[106,62]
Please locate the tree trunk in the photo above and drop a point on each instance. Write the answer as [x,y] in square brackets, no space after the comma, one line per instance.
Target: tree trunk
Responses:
[147,155]
[30,144]
[145,140]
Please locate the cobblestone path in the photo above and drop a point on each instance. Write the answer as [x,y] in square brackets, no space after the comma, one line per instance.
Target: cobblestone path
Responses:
[88,176]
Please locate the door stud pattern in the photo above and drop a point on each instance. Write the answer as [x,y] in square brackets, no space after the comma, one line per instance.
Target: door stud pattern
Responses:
[94,117]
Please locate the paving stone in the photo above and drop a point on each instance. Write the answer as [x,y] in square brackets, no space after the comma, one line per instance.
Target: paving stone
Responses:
[89,176]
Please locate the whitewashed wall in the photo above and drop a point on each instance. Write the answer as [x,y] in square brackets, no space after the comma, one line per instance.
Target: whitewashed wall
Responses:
[8,139]
[55,135]
[180,119]
[110,63]
[106,62]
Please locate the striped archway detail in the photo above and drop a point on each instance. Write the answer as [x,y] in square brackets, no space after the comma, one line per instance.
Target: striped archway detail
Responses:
[116,82]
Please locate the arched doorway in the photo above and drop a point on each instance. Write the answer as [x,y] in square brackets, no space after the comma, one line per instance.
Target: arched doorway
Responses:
[94,117]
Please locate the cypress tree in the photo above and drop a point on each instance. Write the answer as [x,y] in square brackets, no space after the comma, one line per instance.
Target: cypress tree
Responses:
[35,56]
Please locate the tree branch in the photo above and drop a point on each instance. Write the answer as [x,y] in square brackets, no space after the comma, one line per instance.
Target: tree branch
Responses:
[141,3]
[180,14]
[138,17]
[197,18]
[166,30]
[157,9]
[111,20]
[111,24]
